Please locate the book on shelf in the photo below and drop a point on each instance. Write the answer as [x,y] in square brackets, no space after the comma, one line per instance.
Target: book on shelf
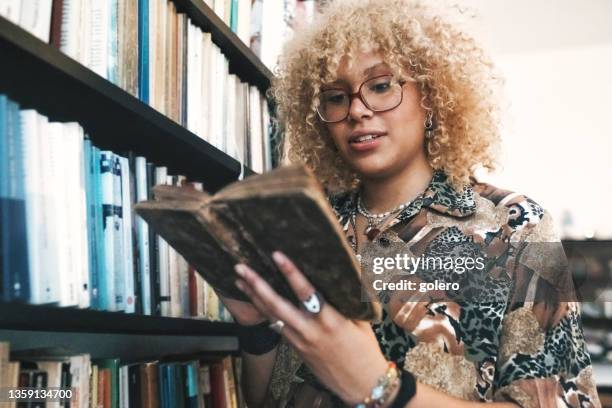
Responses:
[111,382]
[160,55]
[214,233]
[69,235]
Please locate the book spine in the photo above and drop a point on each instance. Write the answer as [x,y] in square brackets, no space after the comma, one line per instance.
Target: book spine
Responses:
[173,64]
[69,33]
[93,387]
[127,228]
[44,190]
[196,85]
[89,165]
[11,9]
[185,74]
[134,235]
[16,257]
[234,16]
[40,277]
[118,235]
[101,265]
[267,134]
[153,249]
[56,23]
[112,365]
[244,21]
[143,236]
[191,384]
[84,29]
[99,19]
[190,105]
[132,51]
[193,291]
[179,385]
[5,281]
[180,61]
[143,50]
[206,45]
[112,73]
[134,386]
[205,387]
[152,40]
[150,386]
[35,17]
[80,217]
[161,175]
[123,386]
[122,43]
[219,385]
[108,214]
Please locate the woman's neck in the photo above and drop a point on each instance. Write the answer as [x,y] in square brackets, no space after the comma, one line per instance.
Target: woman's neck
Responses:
[383,194]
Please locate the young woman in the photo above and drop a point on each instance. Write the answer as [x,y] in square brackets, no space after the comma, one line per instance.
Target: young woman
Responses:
[395,108]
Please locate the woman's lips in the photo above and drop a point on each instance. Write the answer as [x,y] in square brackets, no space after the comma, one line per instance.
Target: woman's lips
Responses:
[365,143]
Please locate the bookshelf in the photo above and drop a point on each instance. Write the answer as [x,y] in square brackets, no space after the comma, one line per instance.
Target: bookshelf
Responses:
[39,76]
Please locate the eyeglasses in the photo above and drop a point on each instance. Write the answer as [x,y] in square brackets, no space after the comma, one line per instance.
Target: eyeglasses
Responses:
[379,94]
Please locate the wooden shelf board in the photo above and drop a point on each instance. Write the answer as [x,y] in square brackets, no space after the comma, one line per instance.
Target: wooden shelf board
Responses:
[14,316]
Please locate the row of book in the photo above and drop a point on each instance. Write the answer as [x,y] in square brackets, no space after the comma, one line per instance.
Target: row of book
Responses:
[68,233]
[112,383]
[261,25]
[159,55]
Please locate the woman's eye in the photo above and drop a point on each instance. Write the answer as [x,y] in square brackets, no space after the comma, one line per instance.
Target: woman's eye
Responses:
[381,87]
[337,98]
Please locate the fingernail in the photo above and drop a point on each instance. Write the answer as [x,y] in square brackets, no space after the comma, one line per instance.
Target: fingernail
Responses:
[239,284]
[240,269]
[279,257]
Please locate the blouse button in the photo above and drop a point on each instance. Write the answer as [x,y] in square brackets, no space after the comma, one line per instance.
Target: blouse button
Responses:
[384,242]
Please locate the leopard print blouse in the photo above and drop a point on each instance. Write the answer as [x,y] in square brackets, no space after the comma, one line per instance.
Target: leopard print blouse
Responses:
[521,340]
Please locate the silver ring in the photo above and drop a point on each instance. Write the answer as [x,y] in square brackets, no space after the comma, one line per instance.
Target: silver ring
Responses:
[277,326]
[314,303]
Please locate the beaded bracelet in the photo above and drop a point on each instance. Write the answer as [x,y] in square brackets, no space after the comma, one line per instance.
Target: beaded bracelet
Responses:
[385,386]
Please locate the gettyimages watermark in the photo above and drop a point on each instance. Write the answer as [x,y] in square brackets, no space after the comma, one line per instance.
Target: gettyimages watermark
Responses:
[466,271]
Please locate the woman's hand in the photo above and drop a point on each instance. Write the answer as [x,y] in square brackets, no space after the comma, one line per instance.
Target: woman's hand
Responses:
[243,312]
[343,354]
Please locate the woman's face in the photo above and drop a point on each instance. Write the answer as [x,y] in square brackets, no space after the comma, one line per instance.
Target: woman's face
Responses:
[398,133]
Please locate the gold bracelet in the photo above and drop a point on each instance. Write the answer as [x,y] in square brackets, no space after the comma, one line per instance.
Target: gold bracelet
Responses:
[385,386]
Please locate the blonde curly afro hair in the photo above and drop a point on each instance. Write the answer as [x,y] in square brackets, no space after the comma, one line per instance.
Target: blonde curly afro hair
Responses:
[457,80]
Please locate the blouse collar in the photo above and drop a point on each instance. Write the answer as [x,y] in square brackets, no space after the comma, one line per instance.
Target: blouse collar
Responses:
[439,196]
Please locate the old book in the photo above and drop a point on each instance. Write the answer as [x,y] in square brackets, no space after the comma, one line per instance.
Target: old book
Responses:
[285,209]
[149,384]
[56,23]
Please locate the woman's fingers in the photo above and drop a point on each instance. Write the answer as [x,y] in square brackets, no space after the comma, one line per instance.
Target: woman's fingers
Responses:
[312,301]
[298,282]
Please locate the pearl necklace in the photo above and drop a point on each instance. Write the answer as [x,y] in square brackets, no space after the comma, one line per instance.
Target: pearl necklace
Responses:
[374,220]
[364,211]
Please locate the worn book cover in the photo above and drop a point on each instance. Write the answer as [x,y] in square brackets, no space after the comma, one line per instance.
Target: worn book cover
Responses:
[285,209]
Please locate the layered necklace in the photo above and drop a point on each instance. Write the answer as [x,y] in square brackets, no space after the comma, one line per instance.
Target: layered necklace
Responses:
[375,221]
